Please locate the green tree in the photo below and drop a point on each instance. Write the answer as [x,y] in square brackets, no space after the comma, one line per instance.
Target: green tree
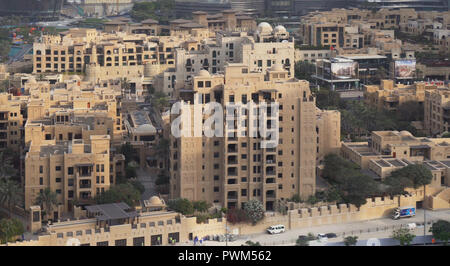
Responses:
[160,100]
[9,229]
[10,193]
[350,240]
[47,199]
[348,183]
[138,185]
[404,236]
[130,171]
[395,185]
[441,230]
[296,198]
[410,111]
[254,210]
[120,193]
[7,169]
[162,150]
[201,206]
[181,205]
[161,10]
[129,152]
[162,179]
[417,173]
[336,166]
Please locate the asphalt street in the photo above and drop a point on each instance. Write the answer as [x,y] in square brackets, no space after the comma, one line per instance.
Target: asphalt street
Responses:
[379,228]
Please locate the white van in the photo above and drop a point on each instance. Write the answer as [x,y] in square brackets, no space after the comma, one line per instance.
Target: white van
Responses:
[276,229]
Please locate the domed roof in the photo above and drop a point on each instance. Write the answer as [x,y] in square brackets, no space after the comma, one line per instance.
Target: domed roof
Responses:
[146,128]
[203,73]
[264,27]
[405,133]
[277,67]
[280,29]
[155,200]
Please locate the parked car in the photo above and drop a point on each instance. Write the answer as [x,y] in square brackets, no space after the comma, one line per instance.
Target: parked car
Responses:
[276,229]
[303,237]
[331,235]
[322,237]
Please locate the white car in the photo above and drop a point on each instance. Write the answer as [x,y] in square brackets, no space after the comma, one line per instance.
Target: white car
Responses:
[322,237]
[276,229]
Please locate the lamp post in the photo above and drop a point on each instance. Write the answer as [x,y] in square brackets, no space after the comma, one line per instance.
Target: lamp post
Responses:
[424,217]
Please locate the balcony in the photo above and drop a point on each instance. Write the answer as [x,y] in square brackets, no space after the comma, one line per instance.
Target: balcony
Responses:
[270,171]
[270,159]
[232,160]
[232,171]
[270,150]
[270,181]
[85,170]
[85,184]
[232,195]
[3,116]
[270,194]
[232,148]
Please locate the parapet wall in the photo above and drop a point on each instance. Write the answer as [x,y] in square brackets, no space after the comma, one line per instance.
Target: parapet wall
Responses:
[375,208]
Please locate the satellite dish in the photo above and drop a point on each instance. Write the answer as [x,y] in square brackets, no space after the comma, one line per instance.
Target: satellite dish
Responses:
[73,242]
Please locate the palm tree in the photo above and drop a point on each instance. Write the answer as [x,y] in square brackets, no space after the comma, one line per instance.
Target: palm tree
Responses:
[47,200]
[159,100]
[7,169]
[9,194]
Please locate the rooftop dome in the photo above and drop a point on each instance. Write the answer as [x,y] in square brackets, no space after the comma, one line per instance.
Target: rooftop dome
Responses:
[277,67]
[203,73]
[280,29]
[405,133]
[155,200]
[264,28]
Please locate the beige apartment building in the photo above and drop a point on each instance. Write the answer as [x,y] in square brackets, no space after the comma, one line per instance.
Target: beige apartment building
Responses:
[437,111]
[70,129]
[348,28]
[12,117]
[73,50]
[259,51]
[75,170]
[231,170]
[390,96]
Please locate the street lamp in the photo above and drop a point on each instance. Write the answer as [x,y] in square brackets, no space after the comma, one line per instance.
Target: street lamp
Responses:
[424,217]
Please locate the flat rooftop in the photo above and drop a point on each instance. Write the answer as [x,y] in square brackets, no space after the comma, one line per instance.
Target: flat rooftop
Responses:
[112,211]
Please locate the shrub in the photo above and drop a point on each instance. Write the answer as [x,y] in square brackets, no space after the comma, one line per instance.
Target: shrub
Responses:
[254,210]
[183,206]
[237,216]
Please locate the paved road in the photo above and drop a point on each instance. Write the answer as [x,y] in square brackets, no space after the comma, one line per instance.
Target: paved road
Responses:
[362,229]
